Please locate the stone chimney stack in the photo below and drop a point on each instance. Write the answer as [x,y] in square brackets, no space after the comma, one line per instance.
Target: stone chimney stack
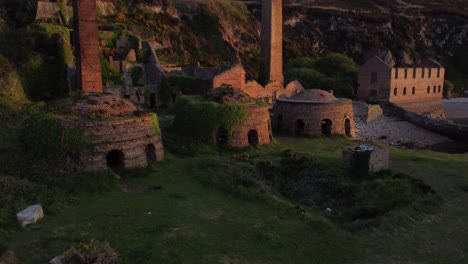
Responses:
[271,65]
[89,75]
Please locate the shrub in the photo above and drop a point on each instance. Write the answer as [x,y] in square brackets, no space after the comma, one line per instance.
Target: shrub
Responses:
[47,142]
[92,252]
[197,120]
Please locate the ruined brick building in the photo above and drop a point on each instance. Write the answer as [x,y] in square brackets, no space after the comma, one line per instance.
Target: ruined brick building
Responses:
[417,89]
[313,113]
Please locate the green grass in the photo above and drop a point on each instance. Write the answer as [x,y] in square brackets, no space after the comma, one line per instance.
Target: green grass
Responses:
[195,223]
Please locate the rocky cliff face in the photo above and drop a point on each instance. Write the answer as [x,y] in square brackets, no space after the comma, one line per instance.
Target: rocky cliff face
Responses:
[217,32]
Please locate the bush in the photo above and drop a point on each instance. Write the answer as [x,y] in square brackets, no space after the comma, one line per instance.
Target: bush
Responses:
[197,120]
[333,71]
[47,142]
[92,252]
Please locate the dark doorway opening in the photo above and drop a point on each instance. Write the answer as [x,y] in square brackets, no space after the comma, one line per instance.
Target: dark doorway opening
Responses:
[326,127]
[221,137]
[253,137]
[150,151]
[348,127]
[115,160]
[300,127]
[152,100]
[279,123]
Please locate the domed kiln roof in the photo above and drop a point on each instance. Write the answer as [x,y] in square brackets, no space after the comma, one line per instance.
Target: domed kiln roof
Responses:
[104,105]
[314,95]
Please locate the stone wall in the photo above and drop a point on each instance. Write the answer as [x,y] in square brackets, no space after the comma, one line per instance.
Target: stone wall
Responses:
[52,10]
[234,77]
[434,108]
[87,46]
[129,135]
[286,114]
[258,119]
[438,125]
[273,90]
[366,112]
[272,41]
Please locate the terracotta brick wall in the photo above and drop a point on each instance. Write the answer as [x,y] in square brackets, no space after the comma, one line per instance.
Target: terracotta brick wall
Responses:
[259,120]
[130,135]
[312,114]
[428,84]
[374,80]
[272,41]
[87,46]
[234,77]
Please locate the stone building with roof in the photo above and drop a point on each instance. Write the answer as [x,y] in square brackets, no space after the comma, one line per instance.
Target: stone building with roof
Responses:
[313,113]
[417,89]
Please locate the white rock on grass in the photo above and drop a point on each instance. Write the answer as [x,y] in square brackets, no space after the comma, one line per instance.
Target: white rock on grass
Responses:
[30,215]
[57,260]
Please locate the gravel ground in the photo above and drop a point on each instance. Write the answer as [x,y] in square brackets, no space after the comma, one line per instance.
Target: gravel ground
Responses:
[394,132]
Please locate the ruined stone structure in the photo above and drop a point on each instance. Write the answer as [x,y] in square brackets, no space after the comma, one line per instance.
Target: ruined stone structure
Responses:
[256,130]
[271,65]
[314,113]
[87,46]
[235,77]
[366,159]
[51,10]
[120,134]
[416,89]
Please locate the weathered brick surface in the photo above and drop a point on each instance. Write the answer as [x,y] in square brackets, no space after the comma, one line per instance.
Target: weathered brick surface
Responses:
[409,87]
[273,90]
[272,41]
[259,120]
[234,77]
[87,46]
[366,112]
[130,135]
[286,112]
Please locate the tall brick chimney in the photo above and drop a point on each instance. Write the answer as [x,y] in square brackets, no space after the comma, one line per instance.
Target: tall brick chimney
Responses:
[89,75]
[271,65]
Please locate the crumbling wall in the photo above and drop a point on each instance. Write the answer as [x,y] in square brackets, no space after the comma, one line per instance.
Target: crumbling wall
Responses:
[234,77]
[366,112]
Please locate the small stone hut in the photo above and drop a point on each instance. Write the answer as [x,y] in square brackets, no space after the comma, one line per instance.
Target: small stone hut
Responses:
[314,113]
[121,135]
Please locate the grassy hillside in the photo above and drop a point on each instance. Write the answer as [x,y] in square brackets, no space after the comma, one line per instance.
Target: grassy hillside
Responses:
[188,221]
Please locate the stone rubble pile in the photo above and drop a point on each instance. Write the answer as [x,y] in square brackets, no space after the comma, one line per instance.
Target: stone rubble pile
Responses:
[395,132]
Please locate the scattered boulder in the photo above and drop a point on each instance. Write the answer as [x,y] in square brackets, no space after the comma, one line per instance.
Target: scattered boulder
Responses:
[57,260]
[30,215]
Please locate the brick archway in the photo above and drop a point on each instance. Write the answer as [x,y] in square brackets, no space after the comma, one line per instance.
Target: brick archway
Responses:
[115,160]
[300,127]
[326,125]
[150,151]
[253,137]
[221,137]
[348,127]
